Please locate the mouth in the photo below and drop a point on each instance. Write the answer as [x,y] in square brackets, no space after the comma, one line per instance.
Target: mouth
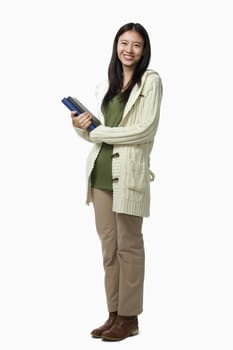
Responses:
[128,57]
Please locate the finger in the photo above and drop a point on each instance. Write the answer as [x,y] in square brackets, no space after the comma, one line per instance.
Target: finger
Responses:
[73,114]
[85,124]
[74,122]
[88,118]
[85,118]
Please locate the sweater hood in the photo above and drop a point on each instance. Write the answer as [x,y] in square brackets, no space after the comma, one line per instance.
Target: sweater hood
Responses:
[137,90]
[102,89]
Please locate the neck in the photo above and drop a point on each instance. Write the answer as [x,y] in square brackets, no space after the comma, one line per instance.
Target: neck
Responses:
[127,76]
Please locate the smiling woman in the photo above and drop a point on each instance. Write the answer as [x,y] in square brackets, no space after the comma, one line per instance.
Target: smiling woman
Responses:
[118,174]
[130,50]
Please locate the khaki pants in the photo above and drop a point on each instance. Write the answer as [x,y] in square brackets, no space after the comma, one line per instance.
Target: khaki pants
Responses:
[123,255]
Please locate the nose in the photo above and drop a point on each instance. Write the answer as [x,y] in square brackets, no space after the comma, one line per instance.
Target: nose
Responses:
[129,48]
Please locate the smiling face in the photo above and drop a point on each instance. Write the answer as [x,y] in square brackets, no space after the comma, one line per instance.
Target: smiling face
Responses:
[130,48]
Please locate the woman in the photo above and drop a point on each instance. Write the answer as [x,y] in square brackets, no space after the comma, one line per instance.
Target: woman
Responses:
[118,174]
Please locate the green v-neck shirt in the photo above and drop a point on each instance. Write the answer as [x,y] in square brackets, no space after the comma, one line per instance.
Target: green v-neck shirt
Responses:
[101,176]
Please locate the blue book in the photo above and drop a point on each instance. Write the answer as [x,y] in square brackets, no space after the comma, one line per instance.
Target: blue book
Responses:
[74,105]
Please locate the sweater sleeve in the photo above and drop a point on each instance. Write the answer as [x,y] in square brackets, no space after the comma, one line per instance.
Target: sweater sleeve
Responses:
[143,131]
[83,133]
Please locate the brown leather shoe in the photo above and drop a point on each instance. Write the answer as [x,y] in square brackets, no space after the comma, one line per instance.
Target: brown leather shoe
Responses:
[97,333]
[123,327]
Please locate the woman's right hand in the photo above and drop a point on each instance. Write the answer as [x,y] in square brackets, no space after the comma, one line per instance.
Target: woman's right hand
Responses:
[83,121]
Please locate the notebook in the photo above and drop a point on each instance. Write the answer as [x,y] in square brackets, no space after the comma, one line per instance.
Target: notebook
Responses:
[73,104]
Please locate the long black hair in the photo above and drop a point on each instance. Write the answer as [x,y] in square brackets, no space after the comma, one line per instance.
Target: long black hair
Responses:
[115,71]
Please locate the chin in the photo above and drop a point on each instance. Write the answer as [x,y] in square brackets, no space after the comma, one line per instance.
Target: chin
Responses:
[129,64]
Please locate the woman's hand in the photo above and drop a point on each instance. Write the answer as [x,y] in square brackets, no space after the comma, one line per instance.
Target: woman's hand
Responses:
[83,121]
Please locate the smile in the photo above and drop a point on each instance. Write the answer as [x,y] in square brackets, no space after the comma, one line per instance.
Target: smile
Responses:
[128,57]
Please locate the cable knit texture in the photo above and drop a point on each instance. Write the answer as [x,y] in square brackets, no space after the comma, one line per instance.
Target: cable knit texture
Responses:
[133,140]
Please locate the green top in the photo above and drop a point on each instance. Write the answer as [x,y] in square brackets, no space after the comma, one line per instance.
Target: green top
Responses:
[101,176]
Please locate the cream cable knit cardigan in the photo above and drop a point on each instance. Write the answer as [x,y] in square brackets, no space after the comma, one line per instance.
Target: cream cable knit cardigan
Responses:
[133,141]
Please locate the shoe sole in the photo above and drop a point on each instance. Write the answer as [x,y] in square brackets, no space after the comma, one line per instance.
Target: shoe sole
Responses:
[96,336]
[135,332]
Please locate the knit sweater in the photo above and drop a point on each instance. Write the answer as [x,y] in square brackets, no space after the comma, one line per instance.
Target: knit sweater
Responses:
[132,142]
[101,176]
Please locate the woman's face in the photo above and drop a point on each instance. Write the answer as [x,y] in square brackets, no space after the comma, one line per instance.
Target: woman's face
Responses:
[130,48]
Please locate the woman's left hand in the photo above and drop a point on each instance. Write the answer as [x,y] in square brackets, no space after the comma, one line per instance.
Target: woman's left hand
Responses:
[83,121]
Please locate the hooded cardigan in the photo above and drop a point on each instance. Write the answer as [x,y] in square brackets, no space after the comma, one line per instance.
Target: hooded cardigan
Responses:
[132,142]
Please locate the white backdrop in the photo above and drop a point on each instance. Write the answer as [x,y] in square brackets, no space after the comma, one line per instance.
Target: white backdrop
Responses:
[51,273]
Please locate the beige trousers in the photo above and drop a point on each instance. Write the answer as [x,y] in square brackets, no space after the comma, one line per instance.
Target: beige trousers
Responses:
[123,255]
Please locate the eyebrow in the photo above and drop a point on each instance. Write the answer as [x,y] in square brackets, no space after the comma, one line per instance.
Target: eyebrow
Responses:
[135,42]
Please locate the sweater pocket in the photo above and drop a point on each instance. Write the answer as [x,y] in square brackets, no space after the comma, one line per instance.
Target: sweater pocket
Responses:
[138,176]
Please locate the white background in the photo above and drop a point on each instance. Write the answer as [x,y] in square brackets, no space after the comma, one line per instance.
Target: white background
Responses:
[51,277]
